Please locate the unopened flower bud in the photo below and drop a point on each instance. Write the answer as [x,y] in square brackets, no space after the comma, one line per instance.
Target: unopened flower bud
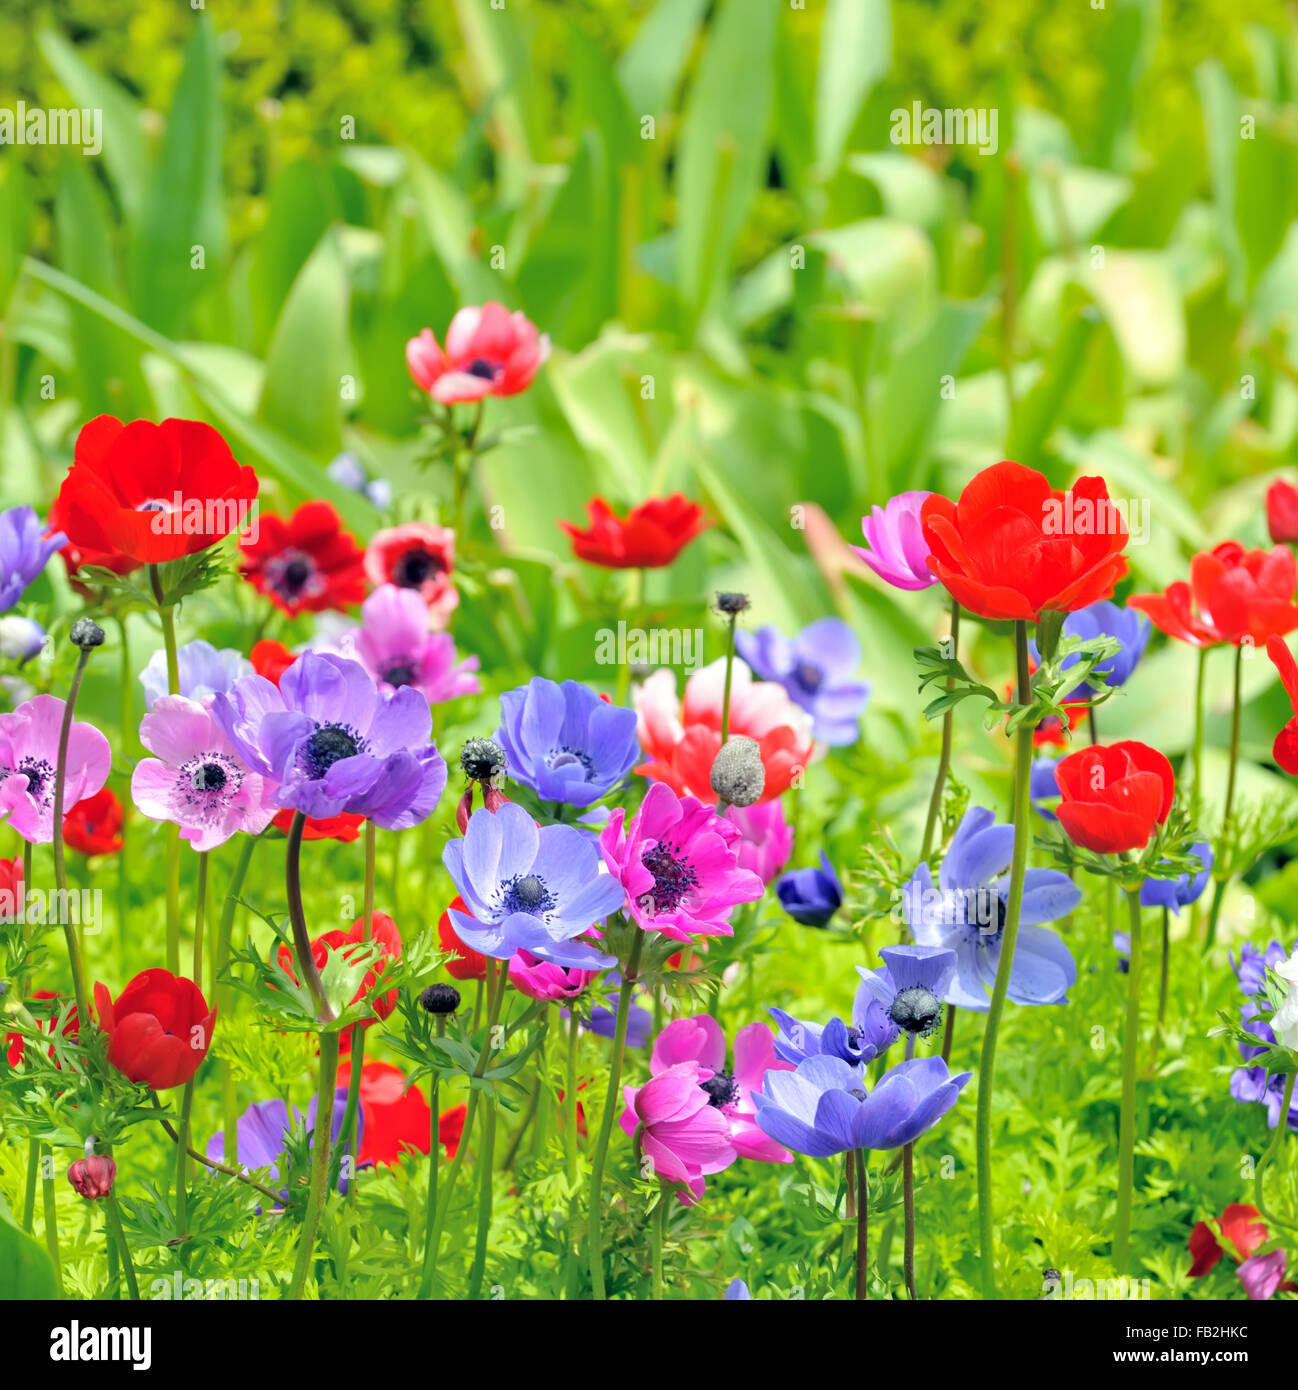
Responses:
[493,799]
[463,810]
[737,772]
[440,999]
[482,760]
[733,604]
[93,1176]
[86,634]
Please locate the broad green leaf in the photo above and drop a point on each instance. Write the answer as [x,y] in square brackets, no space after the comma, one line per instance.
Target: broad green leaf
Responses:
[855,54]
[650,69]
[25,1270]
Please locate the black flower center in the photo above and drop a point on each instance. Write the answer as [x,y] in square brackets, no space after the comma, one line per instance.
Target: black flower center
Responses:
[528,893]
[482,369]
[39,776]
[571,757]
[208,777]
[399,674]
[674,878]
[330,743]
[296,573]
[916,1010]
[722,1089]
[808,676]
[415,568]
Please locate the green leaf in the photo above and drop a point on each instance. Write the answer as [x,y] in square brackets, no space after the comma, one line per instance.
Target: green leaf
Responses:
[855,54]
[183,207]
[25,1269]
[302,393]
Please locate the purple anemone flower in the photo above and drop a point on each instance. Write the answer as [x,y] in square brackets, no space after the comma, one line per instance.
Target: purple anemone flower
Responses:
[737,1292]
[822,1107]
[1182,890]
[262,1132]
[330,741]
[966,913]
[1251,967]
[564,742]
[811,896]
[603,1017]
[816,669]
[203,670]
[1262,1275]
[897,551]
[1104,619]
[20,638]
[24,552]
[529,887]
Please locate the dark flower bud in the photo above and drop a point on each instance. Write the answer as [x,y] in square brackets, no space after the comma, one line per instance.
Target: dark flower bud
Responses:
[440,999]
[737,772]
[86,634]
[733,604]
[482,760]
[916,1010]
[93,1177]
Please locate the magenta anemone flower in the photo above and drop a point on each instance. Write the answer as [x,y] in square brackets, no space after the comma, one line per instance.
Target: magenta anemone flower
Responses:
[539,979]
[489,352]
[895,546]
[700,1040]
[766,838]
[679,864]
[29,754]
[195,778]
[395,646]
[683,1134]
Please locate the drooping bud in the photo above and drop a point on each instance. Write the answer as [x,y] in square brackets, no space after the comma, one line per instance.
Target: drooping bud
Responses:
[86,634]
[440,999]
[464,809]
[737,772]
[493,799]
[93,1176]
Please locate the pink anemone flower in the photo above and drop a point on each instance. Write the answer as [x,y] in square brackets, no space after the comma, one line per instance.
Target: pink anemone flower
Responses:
[395,646]
[196,780]
[539,979]
[489,352]
[683,1134]
[678,861]
[29,754]
[766,837]
[700,1040]
[420,557]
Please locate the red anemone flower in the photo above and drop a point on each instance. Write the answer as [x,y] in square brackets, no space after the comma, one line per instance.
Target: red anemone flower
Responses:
[15,1042]
[1285,748]
[307,563]
[94,824]
[465,962]
[1112,797]
[152,493]
[385,935]
[1282,512]
[395,1116]
[650,536]
[346,826]
[1233,594]
[271,659]
[417,556]
[1240,1229]
[12,888]
[1014,547]
[159,1028]
[74,556]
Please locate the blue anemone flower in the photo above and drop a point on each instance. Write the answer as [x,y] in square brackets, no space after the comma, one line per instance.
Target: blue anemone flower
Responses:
[966,913]
[1182,890]
[564,742]
[811,896]
[1104,619]
[816,668]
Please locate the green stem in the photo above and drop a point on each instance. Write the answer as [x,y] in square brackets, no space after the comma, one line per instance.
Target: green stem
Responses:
[570,1148]
[862,1226]
[486,1181]
[725,697]
[29,1191]
[1196,783]
[348,1139]
[60,867]
[1223,849]
[167,619]
[301,937]
[1127,1118]
[225,995]
[187,1100]
[320,1144]
[1009,939]
[118,1234]
[1272,1151]
[51,1219]
[657,1229]
[944,758]
[434,1162]
[908,1200]
[611,1103]
[1163,972]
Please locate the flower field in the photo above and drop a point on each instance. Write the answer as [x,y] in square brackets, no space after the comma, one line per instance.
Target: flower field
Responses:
[659,669]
